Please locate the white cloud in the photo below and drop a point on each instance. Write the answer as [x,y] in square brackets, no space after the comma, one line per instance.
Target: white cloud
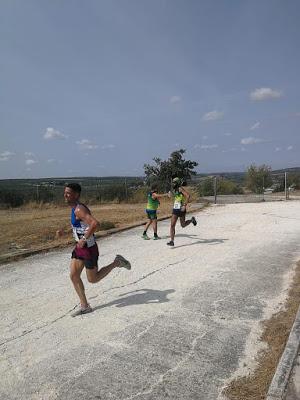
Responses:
[289,148]
[28,154]
[277,149]
[175,99]
[230,150]
[205,146]
[251,140]
[108,146]
[204,137]
[255,126]
[213,115]
[227,134]
[265,94]
[51,160]
[30,162]
[6,155]
[86,144]
[52,133]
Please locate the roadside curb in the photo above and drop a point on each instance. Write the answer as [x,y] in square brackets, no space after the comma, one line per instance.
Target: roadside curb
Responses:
[7,258]
[277,389]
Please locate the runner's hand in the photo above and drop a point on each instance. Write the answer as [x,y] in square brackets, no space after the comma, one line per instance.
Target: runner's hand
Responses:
[59,233]
[183,208]
[81,243]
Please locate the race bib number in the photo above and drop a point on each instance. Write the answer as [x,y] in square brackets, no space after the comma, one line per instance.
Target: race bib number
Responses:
[177,205]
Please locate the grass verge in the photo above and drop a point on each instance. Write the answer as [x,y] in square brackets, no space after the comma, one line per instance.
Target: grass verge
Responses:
[275,333]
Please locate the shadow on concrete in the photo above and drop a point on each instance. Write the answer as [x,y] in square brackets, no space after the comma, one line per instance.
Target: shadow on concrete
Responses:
[141,296]
[200,241]
[177,235]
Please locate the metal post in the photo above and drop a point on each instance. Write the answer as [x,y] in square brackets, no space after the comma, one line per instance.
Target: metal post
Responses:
[263,199]
[285,186]
[215,189]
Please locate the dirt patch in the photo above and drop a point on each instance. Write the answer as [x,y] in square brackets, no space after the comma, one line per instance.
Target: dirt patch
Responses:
[275,333]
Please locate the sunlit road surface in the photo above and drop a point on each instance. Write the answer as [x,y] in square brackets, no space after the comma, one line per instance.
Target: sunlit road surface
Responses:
[179,325]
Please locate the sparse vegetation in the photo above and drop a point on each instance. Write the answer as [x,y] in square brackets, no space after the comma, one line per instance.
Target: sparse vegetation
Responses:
[224,186]
[258,178]
[105,225]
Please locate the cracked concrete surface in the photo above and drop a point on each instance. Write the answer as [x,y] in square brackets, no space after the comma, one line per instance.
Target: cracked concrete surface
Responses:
[179,325]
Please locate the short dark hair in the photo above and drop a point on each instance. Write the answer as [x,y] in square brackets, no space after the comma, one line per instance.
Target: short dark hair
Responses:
[74,186]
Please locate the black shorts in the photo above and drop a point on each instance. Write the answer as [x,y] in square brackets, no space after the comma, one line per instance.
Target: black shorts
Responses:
[89,255]
[151,214]
[178,212]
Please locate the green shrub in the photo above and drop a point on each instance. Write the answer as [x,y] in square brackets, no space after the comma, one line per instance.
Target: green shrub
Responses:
[224,186]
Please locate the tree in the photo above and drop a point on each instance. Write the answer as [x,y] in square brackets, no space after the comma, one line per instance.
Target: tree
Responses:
[258,178]
[164,170]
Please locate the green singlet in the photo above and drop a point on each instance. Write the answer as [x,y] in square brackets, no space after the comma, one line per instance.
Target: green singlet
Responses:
[178,200]
[152,204]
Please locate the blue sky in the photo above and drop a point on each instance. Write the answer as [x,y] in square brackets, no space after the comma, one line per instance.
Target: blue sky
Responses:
[99,88]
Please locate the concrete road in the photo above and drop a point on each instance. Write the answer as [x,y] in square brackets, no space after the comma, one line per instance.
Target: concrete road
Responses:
[180,325]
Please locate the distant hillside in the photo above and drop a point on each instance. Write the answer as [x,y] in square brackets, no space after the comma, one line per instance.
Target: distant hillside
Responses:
[294,170]
[237,177]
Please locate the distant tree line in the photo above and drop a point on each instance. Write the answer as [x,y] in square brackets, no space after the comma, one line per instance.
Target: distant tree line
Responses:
[115,189]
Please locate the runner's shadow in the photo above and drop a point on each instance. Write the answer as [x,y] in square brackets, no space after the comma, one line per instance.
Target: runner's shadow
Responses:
[201,241]
[179,235]
[186,235]
[147,296]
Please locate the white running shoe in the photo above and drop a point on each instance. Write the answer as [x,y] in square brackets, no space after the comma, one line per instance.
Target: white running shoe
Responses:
[82,311]
[122,262]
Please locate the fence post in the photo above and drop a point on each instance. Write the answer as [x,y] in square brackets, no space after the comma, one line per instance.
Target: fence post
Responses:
[285,186]
[37,193]
[126,191]
[215,189]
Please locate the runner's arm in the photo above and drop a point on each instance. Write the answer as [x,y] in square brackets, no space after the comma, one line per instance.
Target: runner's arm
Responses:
[83,214]
[187,196]
[159,195]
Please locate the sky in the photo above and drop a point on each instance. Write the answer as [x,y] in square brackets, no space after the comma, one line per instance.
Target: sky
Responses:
[99,88]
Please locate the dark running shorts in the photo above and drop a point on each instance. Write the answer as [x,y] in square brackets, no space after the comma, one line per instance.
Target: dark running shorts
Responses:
[178,213]
[89,255]
[151,214]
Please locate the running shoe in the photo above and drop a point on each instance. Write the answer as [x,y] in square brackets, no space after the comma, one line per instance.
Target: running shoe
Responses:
[194,222]
[82,311]
[156,238]
[170,243]
[122,262]
[145,236]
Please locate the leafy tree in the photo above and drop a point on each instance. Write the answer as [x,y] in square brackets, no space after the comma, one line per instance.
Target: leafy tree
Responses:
[293,179]
[163,171]
[258,178]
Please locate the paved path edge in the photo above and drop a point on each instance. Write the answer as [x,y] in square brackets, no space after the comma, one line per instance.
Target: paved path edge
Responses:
[284,369]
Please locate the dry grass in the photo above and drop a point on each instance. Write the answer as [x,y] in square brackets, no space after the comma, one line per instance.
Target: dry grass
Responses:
[36,226]
[275,334]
